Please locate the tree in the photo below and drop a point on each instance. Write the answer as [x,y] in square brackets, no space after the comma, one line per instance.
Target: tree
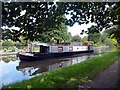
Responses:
[38,18]
[85,38]
[109,42]
[67,38]
[103,36]
[104,14]
[93,34]
[76,38]
[59,35]
[43,16]
[115,32]
[108,39]
[94,37]
[113,39]
[7,44]
[65,35]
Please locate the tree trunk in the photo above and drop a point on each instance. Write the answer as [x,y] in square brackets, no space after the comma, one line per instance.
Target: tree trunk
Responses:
[58,41]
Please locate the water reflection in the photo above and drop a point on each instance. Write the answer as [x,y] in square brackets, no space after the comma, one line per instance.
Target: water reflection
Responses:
[8,58]
[9,74]
[101,49]
[39,67]
[13,70]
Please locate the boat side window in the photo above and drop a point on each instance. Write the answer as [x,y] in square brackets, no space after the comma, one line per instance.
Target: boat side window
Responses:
[70,48]
[60,49]
[44,49]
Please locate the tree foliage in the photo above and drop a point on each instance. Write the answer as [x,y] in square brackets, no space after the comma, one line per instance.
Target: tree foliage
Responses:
[85,38]
[46,16]
[103,37]
[94,34]
[101,13]
[107,39]
[76,38]
[59,35]
[109,42]
[8,43]
[115,32]
[38,18]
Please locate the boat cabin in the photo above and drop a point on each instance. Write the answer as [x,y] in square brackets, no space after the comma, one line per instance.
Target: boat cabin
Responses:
[59,48]
[43,47]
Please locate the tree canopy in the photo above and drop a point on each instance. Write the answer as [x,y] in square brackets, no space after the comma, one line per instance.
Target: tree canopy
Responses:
[59,35]
[115,31]
[46,16]
[93,34]
[38,18]
[76,38]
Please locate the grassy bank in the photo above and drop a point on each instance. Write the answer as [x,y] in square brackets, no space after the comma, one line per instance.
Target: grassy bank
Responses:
[70,76]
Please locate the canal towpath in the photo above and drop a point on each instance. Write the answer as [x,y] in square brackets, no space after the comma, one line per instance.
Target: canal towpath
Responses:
[108,78]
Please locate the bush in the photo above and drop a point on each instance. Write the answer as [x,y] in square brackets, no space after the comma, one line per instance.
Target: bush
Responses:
[13,49]
[92,42]
[85,42]
[109,42]
[7,44]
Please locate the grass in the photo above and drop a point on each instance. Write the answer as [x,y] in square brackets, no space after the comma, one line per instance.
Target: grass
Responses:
[70,76]
[36,48]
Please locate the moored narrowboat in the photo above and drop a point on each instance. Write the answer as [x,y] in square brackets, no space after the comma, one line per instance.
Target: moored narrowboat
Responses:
[47,51]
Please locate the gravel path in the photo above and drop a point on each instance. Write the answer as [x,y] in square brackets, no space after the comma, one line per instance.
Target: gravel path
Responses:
[105,79]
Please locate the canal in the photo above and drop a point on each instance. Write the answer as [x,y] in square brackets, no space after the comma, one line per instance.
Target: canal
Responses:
[13,70]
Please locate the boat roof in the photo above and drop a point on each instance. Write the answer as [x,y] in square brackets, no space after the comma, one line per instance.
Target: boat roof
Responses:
[46,44]
[40,43]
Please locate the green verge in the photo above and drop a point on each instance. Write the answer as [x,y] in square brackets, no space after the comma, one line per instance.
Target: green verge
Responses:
[70,76]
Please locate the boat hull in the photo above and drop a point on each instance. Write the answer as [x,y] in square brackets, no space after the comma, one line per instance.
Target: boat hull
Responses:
[49,55]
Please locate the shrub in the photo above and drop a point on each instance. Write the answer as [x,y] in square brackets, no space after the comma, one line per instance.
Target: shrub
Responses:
[92,42]
[85,42]
[13,49]
[7,44]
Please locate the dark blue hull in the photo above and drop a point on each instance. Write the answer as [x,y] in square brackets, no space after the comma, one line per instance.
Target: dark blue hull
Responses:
[39,56]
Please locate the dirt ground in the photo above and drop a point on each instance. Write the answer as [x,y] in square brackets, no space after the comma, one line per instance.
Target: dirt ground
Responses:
[106,79]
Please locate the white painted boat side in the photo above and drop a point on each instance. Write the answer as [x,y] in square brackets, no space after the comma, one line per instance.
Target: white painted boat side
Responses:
[56,49]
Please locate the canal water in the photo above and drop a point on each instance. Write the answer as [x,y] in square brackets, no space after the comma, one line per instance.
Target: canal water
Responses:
[13,70]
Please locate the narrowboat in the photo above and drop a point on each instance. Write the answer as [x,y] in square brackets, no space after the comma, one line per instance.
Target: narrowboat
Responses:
[48,51]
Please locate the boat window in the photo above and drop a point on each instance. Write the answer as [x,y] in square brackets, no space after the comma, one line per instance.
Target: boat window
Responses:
[44,49]
[70,48]
[60,49]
